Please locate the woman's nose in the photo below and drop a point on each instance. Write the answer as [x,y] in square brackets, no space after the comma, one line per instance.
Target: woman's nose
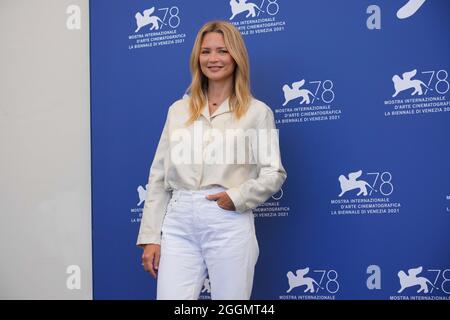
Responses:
[213,57]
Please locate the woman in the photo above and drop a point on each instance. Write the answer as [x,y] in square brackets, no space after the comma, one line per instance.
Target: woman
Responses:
[198,218]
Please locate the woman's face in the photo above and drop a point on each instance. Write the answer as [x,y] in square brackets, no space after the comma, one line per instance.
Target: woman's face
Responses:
[216,62]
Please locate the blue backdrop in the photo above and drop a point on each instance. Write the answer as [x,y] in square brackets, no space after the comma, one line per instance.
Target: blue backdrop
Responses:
[360,95]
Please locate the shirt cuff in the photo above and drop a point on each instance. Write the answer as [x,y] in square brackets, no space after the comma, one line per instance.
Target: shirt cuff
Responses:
[238,201]
[146,239]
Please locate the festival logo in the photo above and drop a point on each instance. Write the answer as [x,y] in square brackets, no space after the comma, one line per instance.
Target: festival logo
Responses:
[319,284]
[364,194]
[416,93]
[419,284]
[256,17]
[310,101]
[153,27]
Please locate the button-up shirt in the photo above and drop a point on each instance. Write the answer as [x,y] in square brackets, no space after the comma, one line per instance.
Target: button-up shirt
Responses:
[242,155]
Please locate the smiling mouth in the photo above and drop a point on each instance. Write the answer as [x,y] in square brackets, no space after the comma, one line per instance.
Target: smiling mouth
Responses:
[215,67]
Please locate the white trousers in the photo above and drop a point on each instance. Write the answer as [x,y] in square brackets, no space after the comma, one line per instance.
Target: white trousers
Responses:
[198,239]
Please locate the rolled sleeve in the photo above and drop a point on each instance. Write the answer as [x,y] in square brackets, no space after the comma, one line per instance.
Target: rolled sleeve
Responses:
[238,199]
[272,174]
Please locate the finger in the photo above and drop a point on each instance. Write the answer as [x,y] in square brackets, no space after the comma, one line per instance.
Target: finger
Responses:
[147,262]
[156,263]
[149,267]
[211,197]
[214,196]
[152,271]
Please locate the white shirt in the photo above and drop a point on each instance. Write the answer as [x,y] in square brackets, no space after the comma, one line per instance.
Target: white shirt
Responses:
[203,155]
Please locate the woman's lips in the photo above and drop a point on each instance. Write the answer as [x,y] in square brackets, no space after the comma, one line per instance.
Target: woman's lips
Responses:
[215,68]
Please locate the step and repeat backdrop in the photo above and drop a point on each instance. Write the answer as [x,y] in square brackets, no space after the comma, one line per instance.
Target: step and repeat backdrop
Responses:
[360,93]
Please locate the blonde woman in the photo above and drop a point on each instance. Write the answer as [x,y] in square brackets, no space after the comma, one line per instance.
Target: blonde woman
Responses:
[217,159]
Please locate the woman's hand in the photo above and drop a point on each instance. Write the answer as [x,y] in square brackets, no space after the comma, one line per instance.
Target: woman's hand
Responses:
[150,258]
[223,200]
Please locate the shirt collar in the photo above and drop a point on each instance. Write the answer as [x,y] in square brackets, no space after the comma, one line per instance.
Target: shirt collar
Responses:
[223,108]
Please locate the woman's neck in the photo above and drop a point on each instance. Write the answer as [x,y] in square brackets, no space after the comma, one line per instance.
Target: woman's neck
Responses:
[219,91]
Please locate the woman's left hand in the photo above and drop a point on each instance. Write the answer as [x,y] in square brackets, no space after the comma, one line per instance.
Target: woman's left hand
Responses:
[223,200]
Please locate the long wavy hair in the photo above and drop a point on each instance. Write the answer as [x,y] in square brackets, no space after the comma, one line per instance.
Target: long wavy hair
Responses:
[241,95]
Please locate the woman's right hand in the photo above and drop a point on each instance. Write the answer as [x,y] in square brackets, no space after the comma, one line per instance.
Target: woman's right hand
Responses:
[150,258]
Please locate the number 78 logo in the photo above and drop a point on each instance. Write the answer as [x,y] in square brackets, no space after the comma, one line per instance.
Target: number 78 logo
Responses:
[351,183]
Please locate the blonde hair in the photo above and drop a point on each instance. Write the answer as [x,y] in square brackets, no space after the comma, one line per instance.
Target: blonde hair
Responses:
[241,95]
